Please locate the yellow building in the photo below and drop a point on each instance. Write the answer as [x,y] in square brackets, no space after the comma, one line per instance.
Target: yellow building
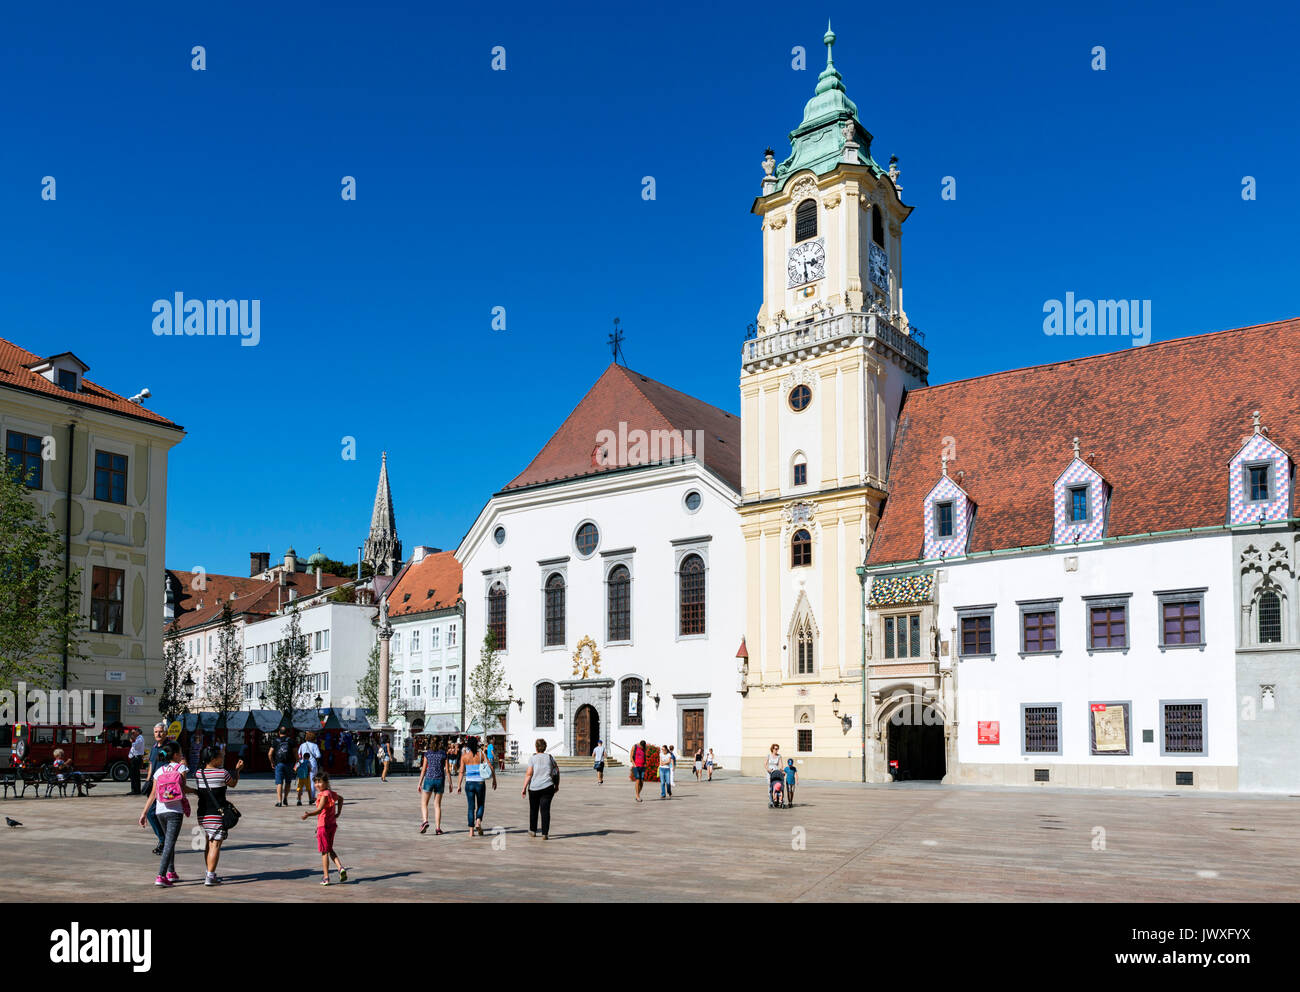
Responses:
[821,385]
[97,462]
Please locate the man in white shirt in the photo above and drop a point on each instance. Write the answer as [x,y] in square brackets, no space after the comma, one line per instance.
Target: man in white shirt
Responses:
[134,759]
[598,762]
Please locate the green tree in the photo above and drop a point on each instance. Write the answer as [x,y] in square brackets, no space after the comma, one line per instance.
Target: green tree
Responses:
[485,682]
[368,685]
[225,688]
[176,666]
[286,676]
[40,606]
[342,568]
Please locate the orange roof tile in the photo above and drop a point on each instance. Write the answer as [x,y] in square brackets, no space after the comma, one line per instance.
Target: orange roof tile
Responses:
[621,396]
[1160,422]
[253,596]
[424,586]
[14,374]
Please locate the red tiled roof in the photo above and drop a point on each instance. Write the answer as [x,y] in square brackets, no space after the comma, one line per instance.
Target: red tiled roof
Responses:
[258,597]
[1159,422]
[431,584]
[15,375]
[623,396]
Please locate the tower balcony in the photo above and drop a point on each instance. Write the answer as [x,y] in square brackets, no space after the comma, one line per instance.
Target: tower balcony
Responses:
[794,342]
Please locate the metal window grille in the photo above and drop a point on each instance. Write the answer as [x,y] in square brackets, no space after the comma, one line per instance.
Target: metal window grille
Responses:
[1184,728]
[1042,729]
[497,614]
[805,221]
[1270,618]
[1184,778]
[692,595]
[545,705]
[805,741]
[554,611]
[632,688]
[1042,775]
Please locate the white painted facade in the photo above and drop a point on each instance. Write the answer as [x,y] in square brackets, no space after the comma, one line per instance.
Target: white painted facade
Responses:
[644,523]
[340,635]
[1145,675]
[425,670]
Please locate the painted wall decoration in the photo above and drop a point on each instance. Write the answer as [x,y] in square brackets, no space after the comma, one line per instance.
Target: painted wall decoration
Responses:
[1067,531]
[1241,510]
[945,547]
[899,590]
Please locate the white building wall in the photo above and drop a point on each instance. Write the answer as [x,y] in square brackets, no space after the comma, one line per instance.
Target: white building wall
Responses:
[351,636]
[1145,674]
[427,663]
[644,510]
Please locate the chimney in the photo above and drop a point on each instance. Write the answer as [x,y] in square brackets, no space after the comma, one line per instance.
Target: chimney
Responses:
[423,551]
[258,562]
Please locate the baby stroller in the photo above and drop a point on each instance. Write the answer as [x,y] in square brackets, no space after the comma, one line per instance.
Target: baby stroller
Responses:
[778,794]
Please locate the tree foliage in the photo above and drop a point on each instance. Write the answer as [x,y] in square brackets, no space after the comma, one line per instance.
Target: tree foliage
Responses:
[483,689]
[40,606]
[225,688]
[176,666]
[286,678]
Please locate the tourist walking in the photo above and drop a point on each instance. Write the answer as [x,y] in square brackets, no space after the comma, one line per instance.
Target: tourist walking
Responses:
[638,767]
[453,757]
[709,762]
[351,745]
[672,768]
[774,764]
[791,780]
[598,762]
[433,779]
[212,781]
[308,766]
[474,770]
[329,805]
[699,763]
[665,772]
[135,758]
[541,783]
[170,806]
[385,759]
[280,755]
[157,758]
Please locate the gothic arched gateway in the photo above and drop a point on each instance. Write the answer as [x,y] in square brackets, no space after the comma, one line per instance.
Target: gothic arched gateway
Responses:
[914,738]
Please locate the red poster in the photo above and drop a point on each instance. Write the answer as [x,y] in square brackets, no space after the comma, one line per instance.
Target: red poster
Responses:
[1099,707]
[988,731]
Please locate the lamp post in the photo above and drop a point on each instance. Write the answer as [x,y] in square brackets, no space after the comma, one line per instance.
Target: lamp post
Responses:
[187,688]
[261,700]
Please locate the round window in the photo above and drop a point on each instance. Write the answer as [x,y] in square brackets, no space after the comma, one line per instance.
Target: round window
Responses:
[800,397]
[499,535]
[586,539]
[693,501]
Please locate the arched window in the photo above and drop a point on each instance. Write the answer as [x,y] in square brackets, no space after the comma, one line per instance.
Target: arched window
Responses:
[803,647]
[554,611]
[799,470]
[801,549]
[631,708]
[877,227]
[691,581]
[620,604]
[544,708]
[1270,618]
[497,614]
[805,221]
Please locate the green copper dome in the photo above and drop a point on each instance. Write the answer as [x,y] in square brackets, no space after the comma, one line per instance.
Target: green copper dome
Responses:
[317,558]
[818,142]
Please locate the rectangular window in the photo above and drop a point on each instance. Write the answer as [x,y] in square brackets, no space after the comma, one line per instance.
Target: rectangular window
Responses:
[801,474]
[977,635]
[1078,504]
[1039,631]
[889,637]
[451,635]
[397,644]
[106,585]
[1108,626]
[434,686]
[943,519]
[903,636]
[415,688]
[24,453]
[451,685]
[433,638]
[110,477]
[1042,725]
[68,380]
[804,741]
[1258,479]
[415,642]
[1184,728]
[1181,622]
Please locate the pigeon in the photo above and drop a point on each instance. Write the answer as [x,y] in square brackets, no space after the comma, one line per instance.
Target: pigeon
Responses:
[12,822]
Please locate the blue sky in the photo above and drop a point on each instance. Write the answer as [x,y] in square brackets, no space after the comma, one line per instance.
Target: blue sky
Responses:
[522,189]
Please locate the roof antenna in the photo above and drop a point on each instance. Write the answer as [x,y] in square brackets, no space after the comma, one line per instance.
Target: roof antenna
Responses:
[616,344]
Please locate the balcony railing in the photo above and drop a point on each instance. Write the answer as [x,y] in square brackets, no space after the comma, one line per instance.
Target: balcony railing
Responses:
[800,340]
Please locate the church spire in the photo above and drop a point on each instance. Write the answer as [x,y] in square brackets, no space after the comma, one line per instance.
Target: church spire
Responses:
[383,550]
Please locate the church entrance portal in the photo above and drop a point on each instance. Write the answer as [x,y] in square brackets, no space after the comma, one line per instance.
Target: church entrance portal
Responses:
[915,733]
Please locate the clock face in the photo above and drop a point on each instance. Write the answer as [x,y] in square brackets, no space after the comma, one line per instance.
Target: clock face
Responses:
[807,262]
[879,266]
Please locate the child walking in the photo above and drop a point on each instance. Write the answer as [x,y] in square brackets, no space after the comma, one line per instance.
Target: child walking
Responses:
[328,804]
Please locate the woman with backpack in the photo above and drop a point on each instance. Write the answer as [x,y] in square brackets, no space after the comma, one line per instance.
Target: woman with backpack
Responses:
[213,780]
[170,806]
[474,770]
[541,783]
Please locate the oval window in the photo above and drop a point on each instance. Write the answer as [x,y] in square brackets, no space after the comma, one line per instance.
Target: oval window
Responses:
[693,501]
[800,397]
[499,535]
[586,539]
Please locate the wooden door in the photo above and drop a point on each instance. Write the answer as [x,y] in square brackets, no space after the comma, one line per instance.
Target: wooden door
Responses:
[692,733]
[584,731]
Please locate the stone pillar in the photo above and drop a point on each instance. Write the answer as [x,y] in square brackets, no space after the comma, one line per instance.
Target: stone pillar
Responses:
[385,635]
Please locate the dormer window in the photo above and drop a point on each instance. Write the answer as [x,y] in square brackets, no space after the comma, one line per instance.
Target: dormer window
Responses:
[943,519]
[1259,479]
[67,380]
[1258,483]
[1079,504]
[805,220]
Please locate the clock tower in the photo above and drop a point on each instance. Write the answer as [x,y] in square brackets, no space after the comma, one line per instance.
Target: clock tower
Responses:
[821,385]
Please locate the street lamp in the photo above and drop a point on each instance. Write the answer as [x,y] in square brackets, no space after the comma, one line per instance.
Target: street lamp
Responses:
[319,701]
[261,701]
[188,687]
